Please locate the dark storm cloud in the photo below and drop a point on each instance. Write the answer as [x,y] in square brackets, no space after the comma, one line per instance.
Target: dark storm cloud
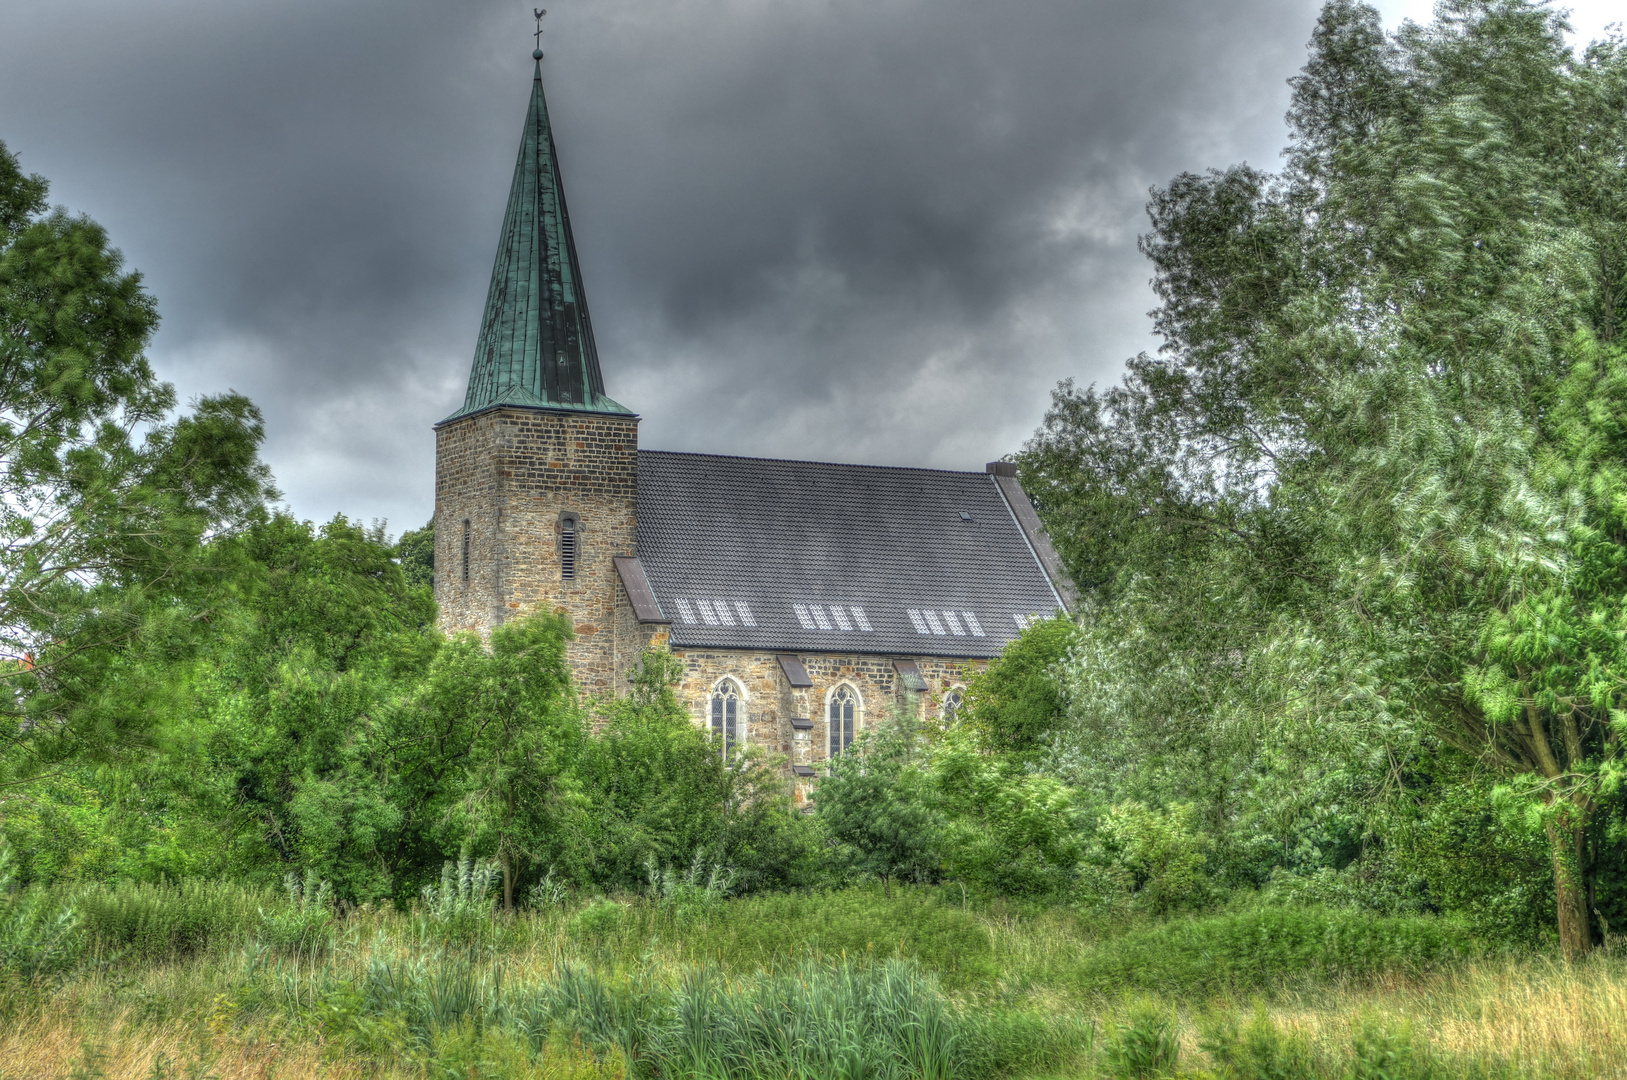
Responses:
[862,231]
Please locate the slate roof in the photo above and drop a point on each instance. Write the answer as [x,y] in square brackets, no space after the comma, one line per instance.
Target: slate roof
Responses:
[805,556]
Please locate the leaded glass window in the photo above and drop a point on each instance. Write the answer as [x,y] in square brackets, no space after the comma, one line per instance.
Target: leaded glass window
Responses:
[726,716]
[952,703]
[844,707]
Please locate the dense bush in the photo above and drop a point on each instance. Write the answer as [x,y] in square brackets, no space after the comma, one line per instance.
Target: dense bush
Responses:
[140,921]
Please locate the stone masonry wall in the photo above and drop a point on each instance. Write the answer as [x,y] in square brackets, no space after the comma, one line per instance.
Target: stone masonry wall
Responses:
[511,473]
[771,702]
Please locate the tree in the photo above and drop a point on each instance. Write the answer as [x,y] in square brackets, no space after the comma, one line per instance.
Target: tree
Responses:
[492,740]
[105,499]
[1017,702]
[1377,451]
[876,807]
[416,553]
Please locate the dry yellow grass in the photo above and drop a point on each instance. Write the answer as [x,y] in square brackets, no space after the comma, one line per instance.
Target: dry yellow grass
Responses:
[58,1046]
[1543,1017]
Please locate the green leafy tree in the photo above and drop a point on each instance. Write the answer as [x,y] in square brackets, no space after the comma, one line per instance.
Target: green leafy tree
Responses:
[1368,486]
[658,793]
[105,496]
[875,805]
[1018,701]
[416,552]
[492,741]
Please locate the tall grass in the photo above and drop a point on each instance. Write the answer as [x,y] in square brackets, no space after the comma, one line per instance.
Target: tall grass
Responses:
[837,984]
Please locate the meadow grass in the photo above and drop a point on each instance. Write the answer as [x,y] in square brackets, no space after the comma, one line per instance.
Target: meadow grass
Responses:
[849,983]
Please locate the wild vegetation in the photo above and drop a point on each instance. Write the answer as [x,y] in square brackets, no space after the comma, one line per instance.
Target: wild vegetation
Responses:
[1323,778]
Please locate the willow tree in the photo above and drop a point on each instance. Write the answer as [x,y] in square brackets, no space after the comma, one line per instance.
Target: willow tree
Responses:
[1385,427]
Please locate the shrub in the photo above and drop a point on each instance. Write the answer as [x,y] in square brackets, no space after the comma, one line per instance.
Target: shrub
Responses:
[597,921]
[461,907]
[1143,1044]
[150,922]
[37,934]
[305,923]
[691,894]
[1256,1051]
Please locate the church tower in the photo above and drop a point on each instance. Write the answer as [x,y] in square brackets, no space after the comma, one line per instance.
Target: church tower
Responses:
[536,475]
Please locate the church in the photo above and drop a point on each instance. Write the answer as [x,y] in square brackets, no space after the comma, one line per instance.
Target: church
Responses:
[805,599]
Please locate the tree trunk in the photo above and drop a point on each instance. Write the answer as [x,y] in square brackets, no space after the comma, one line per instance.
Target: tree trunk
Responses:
[1565,839]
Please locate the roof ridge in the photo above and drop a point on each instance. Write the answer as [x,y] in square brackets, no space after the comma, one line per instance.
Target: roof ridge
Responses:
[812,461]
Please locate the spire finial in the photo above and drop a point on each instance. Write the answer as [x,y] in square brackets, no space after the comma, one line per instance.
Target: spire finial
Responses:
[536,53]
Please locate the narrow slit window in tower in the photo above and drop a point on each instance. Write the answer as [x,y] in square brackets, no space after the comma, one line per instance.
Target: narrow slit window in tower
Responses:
[570,533]
[465,549]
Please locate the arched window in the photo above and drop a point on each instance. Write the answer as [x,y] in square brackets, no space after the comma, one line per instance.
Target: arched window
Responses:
[842,709]
[570,544]
[952,703]
[728,715]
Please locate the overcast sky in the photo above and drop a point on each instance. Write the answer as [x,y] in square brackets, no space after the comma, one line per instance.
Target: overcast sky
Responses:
[852,230]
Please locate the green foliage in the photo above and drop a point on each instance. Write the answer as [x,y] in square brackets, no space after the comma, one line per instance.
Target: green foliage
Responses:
[1267,947]
[1143,1045]
[38,935]
[1258,1050]
[140,921]
[1006,828]
[689,894]
[598,920]
[1016,703]
[504,729]
[1154,859]
[461,906]
[1365,501]
[306,923]
[874,804]
[105,498]
[416,553]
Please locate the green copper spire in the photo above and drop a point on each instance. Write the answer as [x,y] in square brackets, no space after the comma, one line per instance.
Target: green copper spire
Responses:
[536,341]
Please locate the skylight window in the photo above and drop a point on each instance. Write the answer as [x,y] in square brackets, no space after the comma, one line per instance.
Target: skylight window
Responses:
[953,623]
[704,606]
[972,624]
[724,615]
[1022,621]
[803,617]
[931,618]
[685,611]
[920,623]
[859,617]
[840,617]
[819,616]
[745,613]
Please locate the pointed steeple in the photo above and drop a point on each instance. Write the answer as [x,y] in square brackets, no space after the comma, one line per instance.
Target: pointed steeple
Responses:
[536,340]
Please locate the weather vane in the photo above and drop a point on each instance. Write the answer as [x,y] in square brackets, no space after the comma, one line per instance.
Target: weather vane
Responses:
[539,13]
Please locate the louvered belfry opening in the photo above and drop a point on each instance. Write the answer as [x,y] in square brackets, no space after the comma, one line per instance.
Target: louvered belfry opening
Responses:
[570,532]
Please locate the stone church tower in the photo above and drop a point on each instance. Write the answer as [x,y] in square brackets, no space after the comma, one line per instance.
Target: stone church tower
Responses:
[536,475]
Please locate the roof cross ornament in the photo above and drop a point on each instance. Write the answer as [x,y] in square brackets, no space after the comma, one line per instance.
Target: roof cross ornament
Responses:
[538,13]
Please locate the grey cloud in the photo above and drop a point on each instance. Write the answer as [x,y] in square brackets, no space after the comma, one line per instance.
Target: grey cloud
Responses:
[862,231]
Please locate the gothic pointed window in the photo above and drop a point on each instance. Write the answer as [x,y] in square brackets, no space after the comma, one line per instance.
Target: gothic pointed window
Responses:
[953,702]
[842,711]
[728,716]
